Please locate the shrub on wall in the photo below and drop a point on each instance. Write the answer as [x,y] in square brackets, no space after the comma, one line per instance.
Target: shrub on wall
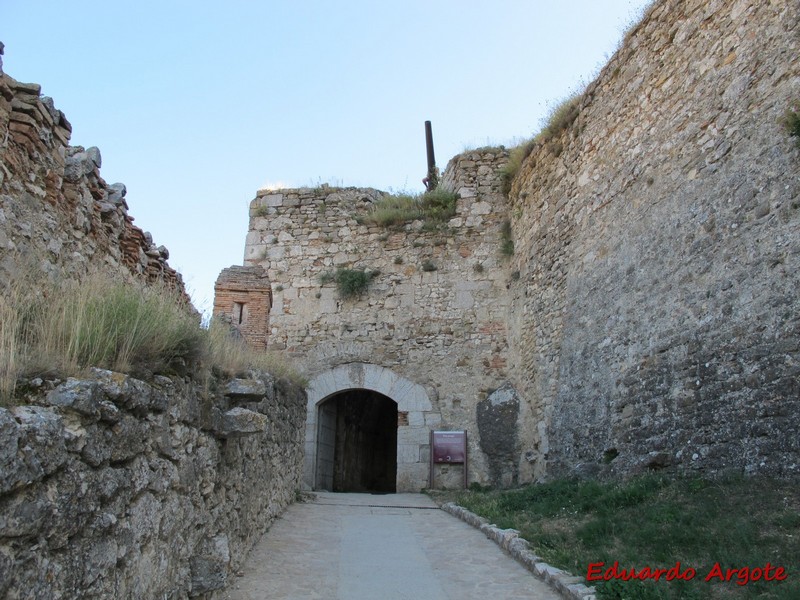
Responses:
[350,283]
[791,122]
[435,206]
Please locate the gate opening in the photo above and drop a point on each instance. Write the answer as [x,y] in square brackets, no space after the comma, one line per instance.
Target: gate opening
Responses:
[357,443]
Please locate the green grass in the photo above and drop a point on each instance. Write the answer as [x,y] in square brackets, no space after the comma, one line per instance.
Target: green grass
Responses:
[655,521]
[434,207]
[506,239]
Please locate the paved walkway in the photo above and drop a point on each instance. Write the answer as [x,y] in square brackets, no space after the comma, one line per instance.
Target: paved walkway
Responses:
[379,547]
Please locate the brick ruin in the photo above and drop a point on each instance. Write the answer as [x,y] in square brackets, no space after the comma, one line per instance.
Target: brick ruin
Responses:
[243,298]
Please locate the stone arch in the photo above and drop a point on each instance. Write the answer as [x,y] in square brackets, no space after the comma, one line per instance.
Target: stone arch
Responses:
[415,418]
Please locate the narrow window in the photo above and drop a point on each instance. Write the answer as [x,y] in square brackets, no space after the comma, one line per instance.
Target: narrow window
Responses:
[238,312]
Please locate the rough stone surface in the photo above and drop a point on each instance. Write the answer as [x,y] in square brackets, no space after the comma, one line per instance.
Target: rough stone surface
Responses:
[441,330]
[648,318]
[57,215]
[111,487]
[496,418]
[656,318]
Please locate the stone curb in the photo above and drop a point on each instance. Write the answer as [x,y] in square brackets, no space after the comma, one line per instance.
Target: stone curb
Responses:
[564,583]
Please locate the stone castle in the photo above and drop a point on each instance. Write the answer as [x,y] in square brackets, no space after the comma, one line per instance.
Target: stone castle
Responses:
[648,318]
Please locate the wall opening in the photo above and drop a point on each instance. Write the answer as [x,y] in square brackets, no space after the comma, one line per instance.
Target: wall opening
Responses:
[238,313]
[357,442]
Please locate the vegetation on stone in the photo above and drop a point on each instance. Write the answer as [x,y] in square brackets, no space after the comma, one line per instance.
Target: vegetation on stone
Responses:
[560,117]
[351,282]
[791,121]
[435,206]
[655,521]
[110,323]
[506,241]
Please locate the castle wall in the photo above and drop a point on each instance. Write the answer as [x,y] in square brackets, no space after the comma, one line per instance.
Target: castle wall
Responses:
[433,314]
[111,487]
[57,215]
[656,318]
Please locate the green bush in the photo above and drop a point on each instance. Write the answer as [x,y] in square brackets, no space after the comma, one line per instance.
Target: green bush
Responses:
[351,283]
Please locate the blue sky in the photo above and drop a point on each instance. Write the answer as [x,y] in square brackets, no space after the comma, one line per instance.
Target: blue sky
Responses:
[196,105]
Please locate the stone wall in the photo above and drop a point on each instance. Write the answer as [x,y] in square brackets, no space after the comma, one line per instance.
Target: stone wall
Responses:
[57,215]
[435,311]
[656,321]
[111,487]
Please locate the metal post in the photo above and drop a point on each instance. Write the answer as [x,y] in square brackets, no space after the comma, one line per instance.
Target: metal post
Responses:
[431,179]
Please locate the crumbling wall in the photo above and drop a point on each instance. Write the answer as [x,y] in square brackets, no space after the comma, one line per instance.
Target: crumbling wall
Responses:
[57,215]
[243,298]
[111,487]
[656,321]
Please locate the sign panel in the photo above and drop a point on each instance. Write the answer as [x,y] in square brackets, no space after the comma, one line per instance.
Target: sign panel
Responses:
[449,446]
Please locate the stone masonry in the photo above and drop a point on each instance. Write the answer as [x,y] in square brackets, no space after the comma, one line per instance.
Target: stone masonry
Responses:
[434,313]
[57,215]
[111,487]
[648,317]
[656,320]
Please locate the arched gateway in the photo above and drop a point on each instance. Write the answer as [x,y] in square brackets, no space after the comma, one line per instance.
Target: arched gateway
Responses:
[367,430]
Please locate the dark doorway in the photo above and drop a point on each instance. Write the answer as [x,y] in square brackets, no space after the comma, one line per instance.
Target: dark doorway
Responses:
[357,443]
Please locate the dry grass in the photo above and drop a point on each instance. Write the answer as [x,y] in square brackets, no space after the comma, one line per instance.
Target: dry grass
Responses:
[48,328]
[558,120]
[436,206]
[230,354]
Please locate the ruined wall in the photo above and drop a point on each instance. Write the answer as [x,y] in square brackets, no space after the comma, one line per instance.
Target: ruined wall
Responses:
[656,318]
[434,313]
[243,298]
[111,487]
[57,215]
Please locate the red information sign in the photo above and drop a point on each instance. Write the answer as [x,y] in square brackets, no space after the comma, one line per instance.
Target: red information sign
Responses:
[449,446]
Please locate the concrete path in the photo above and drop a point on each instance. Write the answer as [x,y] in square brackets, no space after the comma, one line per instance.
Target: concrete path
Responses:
[379,547]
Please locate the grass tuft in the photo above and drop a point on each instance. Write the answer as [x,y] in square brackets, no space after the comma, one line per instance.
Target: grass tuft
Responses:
[435,206]
[559,119]
[48,328]
[100,322]
[506,239]
[227,351]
